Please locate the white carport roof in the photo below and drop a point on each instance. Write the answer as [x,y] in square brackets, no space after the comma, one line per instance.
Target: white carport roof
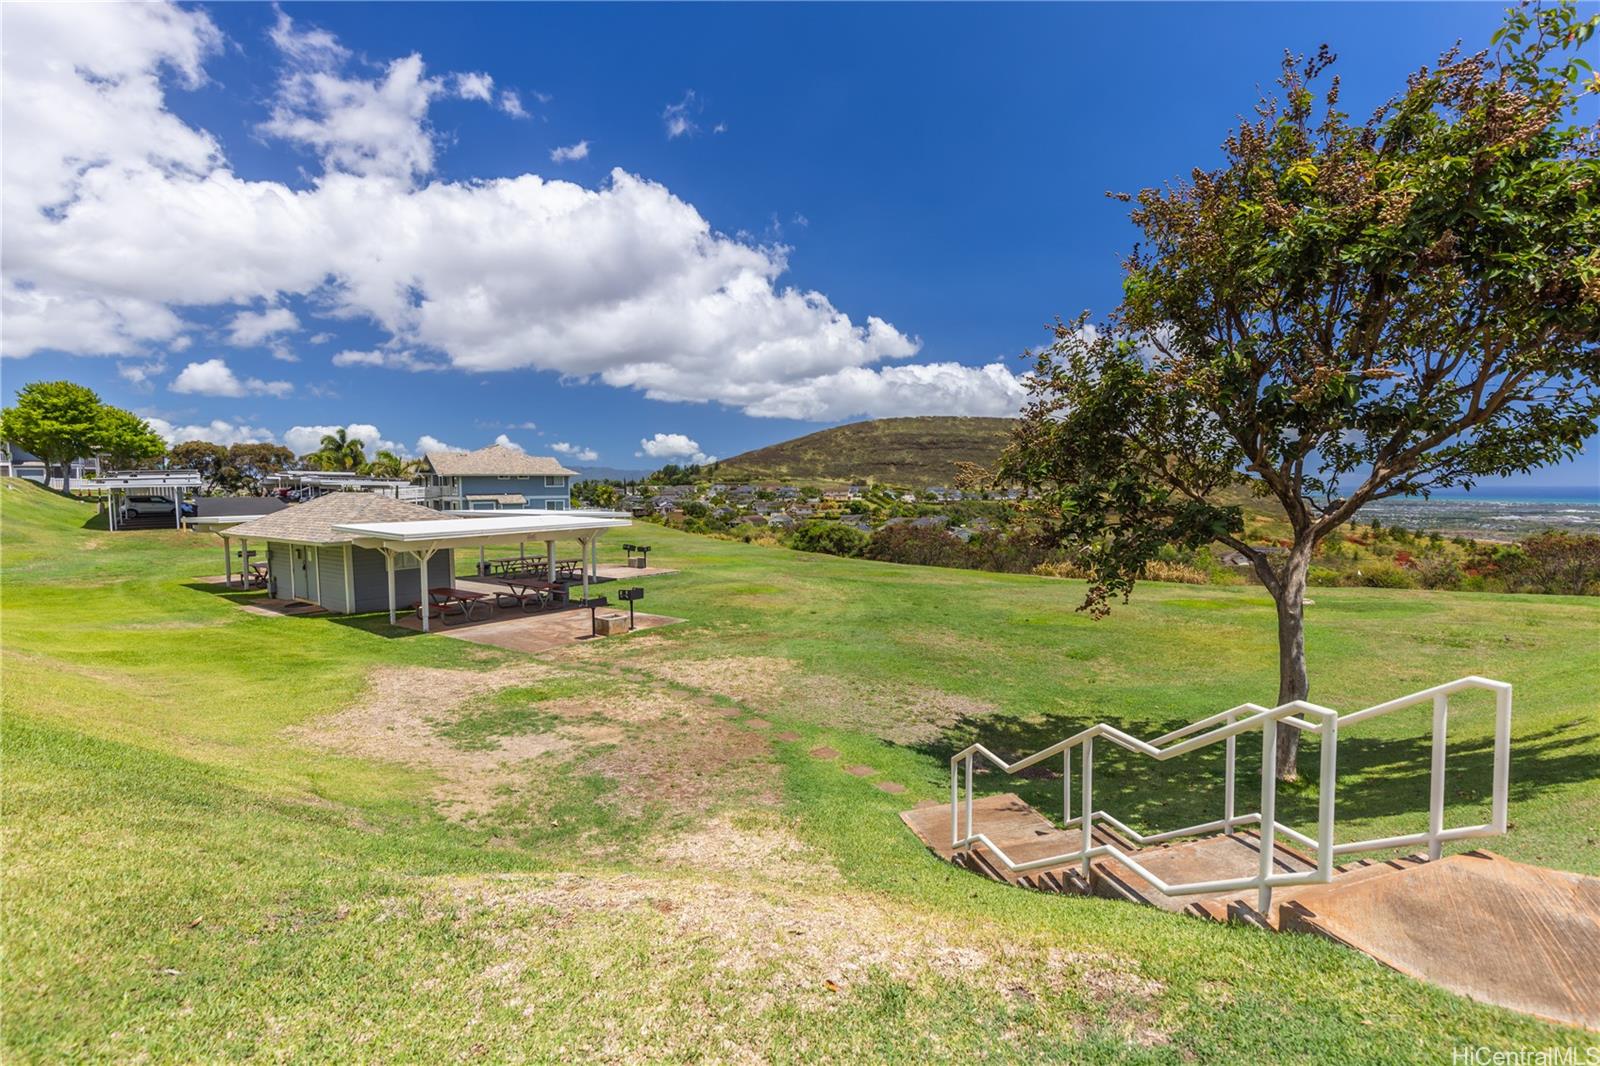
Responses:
[483,528]
[216,523]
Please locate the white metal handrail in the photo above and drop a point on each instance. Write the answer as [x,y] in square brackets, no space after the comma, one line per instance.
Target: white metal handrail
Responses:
[1226,726]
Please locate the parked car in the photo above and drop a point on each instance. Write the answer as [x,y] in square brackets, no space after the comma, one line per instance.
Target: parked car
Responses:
[154,507]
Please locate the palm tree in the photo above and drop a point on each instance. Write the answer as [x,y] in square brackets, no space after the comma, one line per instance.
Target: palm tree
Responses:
[387,464]
[340,451]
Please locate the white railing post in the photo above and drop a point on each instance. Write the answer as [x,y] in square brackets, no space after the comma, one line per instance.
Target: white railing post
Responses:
[1088,802]
[1327,788]
[1066,786]
[1229,750]
[1441,716]
[1502,757]
[1269,813]
[969,798]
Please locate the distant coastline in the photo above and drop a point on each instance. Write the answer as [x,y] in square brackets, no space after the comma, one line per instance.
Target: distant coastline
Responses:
[1500,513]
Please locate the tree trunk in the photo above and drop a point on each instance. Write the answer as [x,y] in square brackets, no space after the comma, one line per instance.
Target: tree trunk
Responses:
[1292,683]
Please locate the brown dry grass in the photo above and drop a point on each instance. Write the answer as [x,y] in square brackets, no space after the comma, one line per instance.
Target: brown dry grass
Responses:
[898,713]
[768,951]
[661,749]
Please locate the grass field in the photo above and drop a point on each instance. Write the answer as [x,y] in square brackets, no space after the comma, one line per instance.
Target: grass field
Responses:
[236,837]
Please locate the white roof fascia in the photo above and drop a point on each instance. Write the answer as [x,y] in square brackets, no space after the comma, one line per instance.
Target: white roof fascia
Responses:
[494,526]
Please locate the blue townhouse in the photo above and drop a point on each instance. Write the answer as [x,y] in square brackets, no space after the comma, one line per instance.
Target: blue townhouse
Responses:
[496,478]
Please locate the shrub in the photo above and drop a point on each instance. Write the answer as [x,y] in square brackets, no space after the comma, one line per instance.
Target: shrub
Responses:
[1385,576]
[1561,563]
[920,545]
[1324,576]
[1439,572]
[1061,568]
[829,538]
[1180,573]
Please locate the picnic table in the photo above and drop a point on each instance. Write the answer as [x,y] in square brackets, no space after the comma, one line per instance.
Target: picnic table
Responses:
[258,575]
[530,591]
[445,602]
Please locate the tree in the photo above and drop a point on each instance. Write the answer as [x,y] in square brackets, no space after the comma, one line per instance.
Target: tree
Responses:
[55,420]
[1338,314]
[340,451]
[250,463]
[387,464]
[829,538]
[201,456]
[125,438]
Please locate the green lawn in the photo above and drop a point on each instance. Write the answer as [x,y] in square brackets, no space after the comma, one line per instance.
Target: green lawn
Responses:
[229,836]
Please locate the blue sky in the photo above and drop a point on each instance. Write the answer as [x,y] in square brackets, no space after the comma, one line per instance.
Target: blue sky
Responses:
[797,215]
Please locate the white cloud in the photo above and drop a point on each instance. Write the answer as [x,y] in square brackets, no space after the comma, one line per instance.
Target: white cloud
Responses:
[140,374]
[319,338]
[250,328]
[511,104]
[677,117]
[475,87]
[523,425]
[305,439]
[117,220]
[913,389]
[575,452]
[506,442]
[393,360]
[214,377]
[674,446]
[216,432]
[570,152]
[721,127]
[426,444]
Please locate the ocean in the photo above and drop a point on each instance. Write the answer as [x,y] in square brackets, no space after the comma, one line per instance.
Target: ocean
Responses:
[1493,514]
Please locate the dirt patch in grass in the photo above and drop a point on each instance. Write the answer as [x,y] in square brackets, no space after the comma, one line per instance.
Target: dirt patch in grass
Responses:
[774,950]
[747,844]
[709,762]
[490,736]
[751,679]
[398,718]
[898,713]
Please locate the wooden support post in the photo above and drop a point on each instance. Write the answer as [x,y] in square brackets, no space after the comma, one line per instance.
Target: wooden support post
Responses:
[227,564]
[550,560]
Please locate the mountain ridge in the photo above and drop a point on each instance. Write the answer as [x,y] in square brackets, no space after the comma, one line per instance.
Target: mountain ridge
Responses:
[913,452]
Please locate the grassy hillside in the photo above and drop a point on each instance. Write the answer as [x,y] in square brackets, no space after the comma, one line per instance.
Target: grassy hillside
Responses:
[908,452]
[236,837]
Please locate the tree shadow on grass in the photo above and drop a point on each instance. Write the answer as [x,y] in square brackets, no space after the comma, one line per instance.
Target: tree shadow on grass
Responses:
[1379,777]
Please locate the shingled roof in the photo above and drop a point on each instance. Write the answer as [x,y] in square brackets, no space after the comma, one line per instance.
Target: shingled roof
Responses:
[312,522]
[497,461]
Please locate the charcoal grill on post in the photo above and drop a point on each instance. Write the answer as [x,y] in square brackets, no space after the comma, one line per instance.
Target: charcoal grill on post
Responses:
[594,604]
[630,595]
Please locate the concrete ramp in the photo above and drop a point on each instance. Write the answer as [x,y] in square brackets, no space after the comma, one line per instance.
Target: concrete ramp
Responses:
[1498,931]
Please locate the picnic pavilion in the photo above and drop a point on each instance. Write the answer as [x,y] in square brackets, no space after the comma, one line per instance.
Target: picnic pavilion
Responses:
[350,552]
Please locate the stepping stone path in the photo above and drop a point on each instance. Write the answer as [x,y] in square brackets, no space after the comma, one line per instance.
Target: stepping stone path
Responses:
[759,723]
[791,737]
[860,771]
[891,787]
[824,753]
